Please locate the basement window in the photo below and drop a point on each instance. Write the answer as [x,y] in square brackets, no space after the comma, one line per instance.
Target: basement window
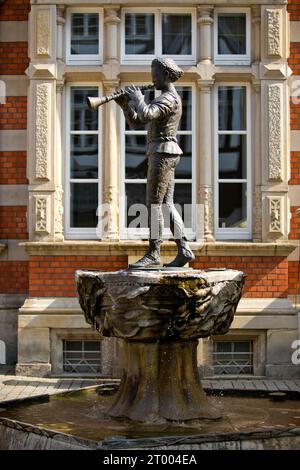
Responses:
[233,357]
[82,357]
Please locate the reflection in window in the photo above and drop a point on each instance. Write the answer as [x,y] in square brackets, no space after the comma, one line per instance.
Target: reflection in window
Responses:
[139,33]
[232,106]
[84,33]
[232,205]
[232,33]
[176,34]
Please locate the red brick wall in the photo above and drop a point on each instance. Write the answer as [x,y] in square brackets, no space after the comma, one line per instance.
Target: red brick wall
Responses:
[294,10]
[266,276]
[13,168]
[295,167]
[55,275]
[13,223]
[294,59]
[13,277]
[294,278]
[295,224]
[13,114]
[295,113]
[13,58]
[14,10]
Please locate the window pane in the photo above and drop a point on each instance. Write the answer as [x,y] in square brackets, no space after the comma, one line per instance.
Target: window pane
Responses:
[176,34]
[185,94]
[184,168]
[73,345]
[92,345]
[232,107]
[136,161]
[84,33]
[139,33]
[232,156]
[136,194]
[233,205]
[232,33]
[84,203]
[83,118]
[84,156]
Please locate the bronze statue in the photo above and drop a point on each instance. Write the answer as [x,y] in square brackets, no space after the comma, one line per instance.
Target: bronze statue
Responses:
[162,117]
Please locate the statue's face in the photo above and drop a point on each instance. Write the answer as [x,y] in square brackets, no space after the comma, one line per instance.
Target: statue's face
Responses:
[159,78]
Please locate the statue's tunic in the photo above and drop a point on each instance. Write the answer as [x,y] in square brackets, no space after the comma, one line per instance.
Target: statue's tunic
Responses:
[162,118]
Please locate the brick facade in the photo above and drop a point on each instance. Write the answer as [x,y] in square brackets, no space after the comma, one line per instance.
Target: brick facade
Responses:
[14,10]
[13,223]
[14,277]
[13,168]
[54,276]
[13,114]
[13,58]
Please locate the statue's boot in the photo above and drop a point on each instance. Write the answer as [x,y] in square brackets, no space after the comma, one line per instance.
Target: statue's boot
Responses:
[151,258]
[185,254]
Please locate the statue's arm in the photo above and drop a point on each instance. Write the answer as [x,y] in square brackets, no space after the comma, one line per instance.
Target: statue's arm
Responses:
[159,108]
[132,118]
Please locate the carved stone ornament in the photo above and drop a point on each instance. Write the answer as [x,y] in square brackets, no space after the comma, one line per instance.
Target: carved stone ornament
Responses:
[257,212]
[274,32]
[206,198]
[59,210]
[274,134]
[275,215]
[160,315]
[42,130]
[41,218]
[43,33]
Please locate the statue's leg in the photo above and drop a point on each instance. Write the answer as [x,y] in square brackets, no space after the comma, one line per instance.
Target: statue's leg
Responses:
[184,254]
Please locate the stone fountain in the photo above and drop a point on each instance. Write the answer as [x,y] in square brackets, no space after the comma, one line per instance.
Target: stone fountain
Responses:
[160,314]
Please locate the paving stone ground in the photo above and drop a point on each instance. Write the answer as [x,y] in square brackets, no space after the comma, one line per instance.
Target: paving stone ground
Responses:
[16,387]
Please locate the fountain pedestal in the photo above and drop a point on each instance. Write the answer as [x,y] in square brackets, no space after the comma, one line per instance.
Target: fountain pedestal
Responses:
[160,315]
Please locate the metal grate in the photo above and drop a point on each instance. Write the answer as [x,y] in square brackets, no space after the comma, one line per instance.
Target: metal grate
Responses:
[233,357]
[82,357]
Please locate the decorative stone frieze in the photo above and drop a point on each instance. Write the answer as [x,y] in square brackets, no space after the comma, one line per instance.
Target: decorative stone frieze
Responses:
[42,209]
[43,33]
[275,132]
[42,138]
[274,32]
[276,220]
[206,199]
[275,209]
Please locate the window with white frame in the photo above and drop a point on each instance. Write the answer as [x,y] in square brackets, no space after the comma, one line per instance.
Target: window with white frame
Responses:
[232,162]
[147,33]
[232,36]
[134,167]
[84,36]
[83,163]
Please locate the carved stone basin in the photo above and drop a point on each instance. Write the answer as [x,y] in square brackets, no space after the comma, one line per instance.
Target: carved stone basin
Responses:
[160,314]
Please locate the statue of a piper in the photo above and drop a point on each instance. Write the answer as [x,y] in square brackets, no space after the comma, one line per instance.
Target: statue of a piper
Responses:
[162,118]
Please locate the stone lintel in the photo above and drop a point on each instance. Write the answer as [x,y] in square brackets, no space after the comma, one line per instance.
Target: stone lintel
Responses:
[124,248]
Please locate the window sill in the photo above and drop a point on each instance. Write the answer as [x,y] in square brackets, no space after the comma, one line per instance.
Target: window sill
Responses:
[137,247]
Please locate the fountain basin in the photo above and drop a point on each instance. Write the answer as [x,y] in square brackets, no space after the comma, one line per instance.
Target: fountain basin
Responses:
[160,314]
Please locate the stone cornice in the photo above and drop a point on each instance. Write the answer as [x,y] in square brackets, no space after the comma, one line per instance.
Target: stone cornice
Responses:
[136,247]
[2,247]
[166,3]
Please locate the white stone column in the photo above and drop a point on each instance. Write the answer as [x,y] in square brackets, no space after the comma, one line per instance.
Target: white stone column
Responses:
[205,22]
[111,163]
[111,21]
[256,24]
[206,164]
